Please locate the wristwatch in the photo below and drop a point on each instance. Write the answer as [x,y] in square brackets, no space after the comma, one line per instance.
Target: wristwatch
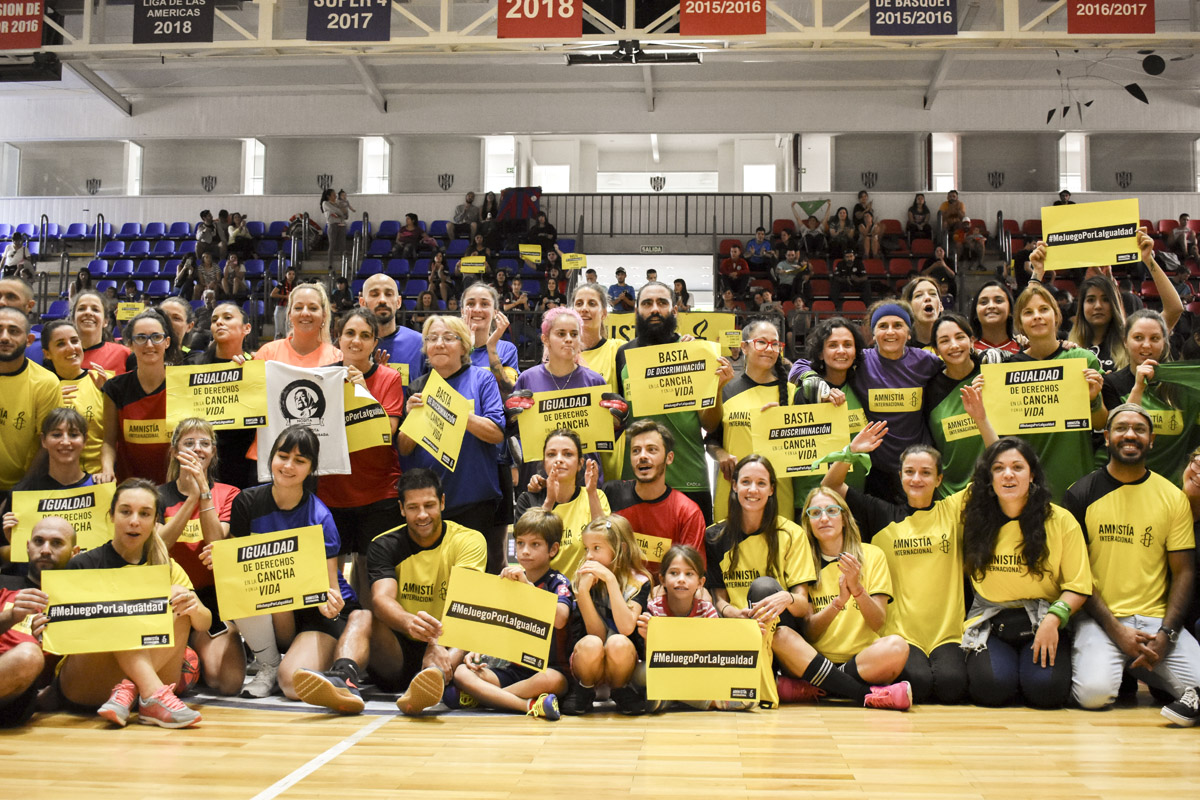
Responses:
[1172,634]
[206,496]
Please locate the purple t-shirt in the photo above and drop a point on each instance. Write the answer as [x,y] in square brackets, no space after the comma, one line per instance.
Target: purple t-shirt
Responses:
[913,370]
[539,379]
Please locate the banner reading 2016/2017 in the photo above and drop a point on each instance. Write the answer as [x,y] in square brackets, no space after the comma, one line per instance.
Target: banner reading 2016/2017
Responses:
[349,21]
[106,610]
[1037,396]
[498,617]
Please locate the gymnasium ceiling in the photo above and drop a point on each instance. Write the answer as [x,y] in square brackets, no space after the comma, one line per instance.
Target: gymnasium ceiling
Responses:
[449,47]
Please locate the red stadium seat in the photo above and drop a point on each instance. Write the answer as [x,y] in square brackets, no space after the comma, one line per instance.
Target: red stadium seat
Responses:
[783,224]
[899,267]
[1167,225]
[1032,228]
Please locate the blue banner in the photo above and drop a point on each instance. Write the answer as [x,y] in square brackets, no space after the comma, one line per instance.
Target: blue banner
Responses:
[914,17]
[349,20]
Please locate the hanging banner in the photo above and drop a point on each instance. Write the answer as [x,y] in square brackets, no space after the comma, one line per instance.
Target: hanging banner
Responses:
[695,658]
[172,21]
[86,508]
[793,437]
[226,395]
[539,19]
[913,17]
[472,264]
[367,423]
[722,17]
[108,610]
[440,424]
[1091,234]
[1037,396]
[576,409]
[270,572]
[349,21]
[311,397]
[497,617]
[672,378]
[1084,16]
[21,25]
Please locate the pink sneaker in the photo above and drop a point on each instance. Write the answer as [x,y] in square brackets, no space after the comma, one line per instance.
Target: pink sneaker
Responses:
[120,703]
[797,690]
[897,697]
[166,710]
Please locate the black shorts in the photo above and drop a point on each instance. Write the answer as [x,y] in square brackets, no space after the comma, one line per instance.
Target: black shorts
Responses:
[16,711]
[413,653]
[512,673]
[208,596]
[358,526]
[311,619]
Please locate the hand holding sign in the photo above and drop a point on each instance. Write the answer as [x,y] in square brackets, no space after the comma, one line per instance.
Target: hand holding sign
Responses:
[672,378]
[270,572]
[108,610]
[499,617]
[437,420]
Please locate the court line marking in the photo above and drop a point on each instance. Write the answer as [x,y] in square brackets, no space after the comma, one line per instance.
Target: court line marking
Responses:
[288,781]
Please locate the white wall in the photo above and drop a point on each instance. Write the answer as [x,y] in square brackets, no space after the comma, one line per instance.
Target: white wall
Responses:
[893,157]
[293,164]
[175,166]
[63,168]
[1029,161]
[417,161]
[1159,162]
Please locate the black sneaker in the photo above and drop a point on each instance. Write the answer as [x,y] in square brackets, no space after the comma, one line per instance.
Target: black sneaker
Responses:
[629,701]
[579,701]
[1185,711]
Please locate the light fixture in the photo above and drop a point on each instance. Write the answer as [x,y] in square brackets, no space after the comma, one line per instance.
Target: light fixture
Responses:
[629,51]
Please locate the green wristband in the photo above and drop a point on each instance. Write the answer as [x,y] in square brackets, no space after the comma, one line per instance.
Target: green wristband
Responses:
[1062,611]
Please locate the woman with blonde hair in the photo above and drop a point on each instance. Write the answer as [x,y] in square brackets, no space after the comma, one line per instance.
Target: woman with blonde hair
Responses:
[308,341]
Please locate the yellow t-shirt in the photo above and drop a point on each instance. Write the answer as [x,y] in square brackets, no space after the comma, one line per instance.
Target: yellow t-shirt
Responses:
[743,398]
[849,634]
[26,397]
[575,515]
[1066,567]
[794,555]
[422,575]
[1130,529]
[88,400]
[924,556]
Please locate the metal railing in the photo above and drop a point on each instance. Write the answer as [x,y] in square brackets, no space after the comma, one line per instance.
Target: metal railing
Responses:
[41,292]
[43,240]
[64,270]
[698,214]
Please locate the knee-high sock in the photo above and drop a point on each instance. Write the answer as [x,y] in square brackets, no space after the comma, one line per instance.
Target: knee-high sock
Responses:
[259,633]
[824,673]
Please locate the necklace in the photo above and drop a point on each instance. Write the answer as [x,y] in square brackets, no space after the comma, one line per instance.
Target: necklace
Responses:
[565,382]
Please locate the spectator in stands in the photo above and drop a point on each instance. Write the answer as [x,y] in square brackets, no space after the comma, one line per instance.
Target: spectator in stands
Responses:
[954,216]
[478,247]
[841,233]
[1182,240]
[864,206]
[440,279]
[207,238]
[343,201]
[426,307]
[1021,268]
[182,317]
[726,301]
[543,233]
[222,233]
[208,274]
[783,241]
[466,216]
[759,254]
[1130,300]
[517,303]
[240,240]
[488,215]
[799,322]
[756,299]
[82,282]
[552,297]
[735,271]
[813,233]
[410,237]
[651,275]
[683,298]
[17,260]
[1064,199]
[186,276]
[769,304]
[974,243]
[919,226]
[849,275]
[342,300]
[591,277]
[204,312]
[335,225]
[501,283]
[279,294]
[792,276]
[130,293]
[937,268]
[870,235]
[620,294]
[233,281]
[554,274]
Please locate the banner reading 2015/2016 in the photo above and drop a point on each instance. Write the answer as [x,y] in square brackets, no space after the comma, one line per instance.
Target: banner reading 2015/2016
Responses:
[349,21]
[914,17]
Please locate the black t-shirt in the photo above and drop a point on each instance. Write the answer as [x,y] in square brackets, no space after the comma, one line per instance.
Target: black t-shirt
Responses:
[233,466]
[103,557]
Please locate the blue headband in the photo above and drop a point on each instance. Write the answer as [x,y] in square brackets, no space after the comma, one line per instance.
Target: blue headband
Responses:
[891,310]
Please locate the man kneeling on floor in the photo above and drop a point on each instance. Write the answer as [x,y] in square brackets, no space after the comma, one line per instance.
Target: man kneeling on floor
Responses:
[409,568]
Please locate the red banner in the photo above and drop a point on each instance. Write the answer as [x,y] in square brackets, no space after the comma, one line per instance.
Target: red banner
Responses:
[1090,16]
[722,17]
[20,25]
[540,19]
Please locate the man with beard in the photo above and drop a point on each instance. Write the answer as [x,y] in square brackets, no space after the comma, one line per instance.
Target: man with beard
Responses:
[401,345]
[655,324]
[16,293]
[658,513]
[22,603]
[1139,532]
[29,392]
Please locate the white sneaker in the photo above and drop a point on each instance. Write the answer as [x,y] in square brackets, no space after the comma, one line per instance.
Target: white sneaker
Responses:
[263,683]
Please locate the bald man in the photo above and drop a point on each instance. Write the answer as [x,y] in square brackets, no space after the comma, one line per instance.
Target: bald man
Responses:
[16,293]
[22,619]
[402,345]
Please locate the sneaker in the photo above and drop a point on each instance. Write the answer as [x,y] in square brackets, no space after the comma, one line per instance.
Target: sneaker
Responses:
[263,683]
[629,700]
[329,690]
[797,690]
[897,697]
[116,709]
[580,700]
[166,710]
[454,698]
[424,691]
[545,706]
[1185,711]
[189,672]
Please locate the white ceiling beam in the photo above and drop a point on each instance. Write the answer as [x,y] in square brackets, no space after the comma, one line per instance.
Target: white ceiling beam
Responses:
[118,100]
[939,78]
[245,34]
[648,84]
[368,82]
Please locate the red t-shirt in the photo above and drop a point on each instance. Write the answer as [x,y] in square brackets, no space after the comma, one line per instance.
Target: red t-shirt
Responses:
[12,637]
[735,267]
[107,355]
[374,468]
[673,516]
[186,550]
[1010,346]
[143,440]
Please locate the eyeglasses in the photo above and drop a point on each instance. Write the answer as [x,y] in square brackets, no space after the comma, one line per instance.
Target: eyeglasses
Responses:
[815,512]
[766,344]
[444,338]
[142,338]
[196,444]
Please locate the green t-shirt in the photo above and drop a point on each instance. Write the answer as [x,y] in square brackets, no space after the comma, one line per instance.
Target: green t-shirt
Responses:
[955,434]
[1176,432]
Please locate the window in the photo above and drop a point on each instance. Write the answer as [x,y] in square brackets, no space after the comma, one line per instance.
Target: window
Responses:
[500,163]
[133,168]
[758,177]
[10,170]
[254,159]
[375,165]
[944,164]
[1071,150]
[553,178]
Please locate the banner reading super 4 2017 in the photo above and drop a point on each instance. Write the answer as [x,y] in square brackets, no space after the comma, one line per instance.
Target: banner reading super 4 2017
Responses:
[914,17]
[349,21]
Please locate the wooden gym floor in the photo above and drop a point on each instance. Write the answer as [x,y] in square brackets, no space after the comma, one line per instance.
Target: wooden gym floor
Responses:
[797,751]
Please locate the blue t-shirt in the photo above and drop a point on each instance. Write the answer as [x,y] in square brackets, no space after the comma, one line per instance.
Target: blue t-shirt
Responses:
[404,347]
[616,290]
[255,511]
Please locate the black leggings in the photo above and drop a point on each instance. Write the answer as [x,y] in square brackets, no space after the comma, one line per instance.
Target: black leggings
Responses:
[1003,669]
[940,677]
[762,588]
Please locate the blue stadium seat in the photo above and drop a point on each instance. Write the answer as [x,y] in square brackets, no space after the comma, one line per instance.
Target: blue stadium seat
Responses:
[277,229]
[255,268]
[509,265]
[379,248]
[53,232]
[138,248]
[370,266]
[158,289]
[356,287]
[154,230]
[170,269]
[410,304]
[98,268]
[103,286]
[437,229]
[163,247]
[180,230]
[185,247]
[257,228]
[388,229]
[266,247]
[420,268]
[457,248]
[29,229]
[6,232]
[398,267]
[130,230]
[566,245]
[121,269]
[57,310]
[77,232]
[415,286]
[147,269]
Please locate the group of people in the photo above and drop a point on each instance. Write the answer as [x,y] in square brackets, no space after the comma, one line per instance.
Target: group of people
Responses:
[1078,559]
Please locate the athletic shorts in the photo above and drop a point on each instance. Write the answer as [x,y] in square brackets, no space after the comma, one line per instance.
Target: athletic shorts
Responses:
[311,619]
[208,596]
[511,673]
[414,657]
[358,526]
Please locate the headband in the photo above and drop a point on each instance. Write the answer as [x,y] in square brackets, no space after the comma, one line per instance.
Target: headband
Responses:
[891,310]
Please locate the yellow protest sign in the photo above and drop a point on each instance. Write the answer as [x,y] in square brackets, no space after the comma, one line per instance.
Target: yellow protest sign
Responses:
[108,610]
[707,325]
[1037,396]
[127,311]
[269,572]
[402,368]
[498,617]
[731,342]
[793,437]
[622,327]
[470,264]
[671,378]
[695,658]
[227,395]
[1091,234]
[438,426]
[367,424]
[531,253]
[574,261]
[576,409]
[86,508]
[895,401]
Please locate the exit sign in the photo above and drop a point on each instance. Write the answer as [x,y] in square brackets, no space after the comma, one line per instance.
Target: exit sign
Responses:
[652,249]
